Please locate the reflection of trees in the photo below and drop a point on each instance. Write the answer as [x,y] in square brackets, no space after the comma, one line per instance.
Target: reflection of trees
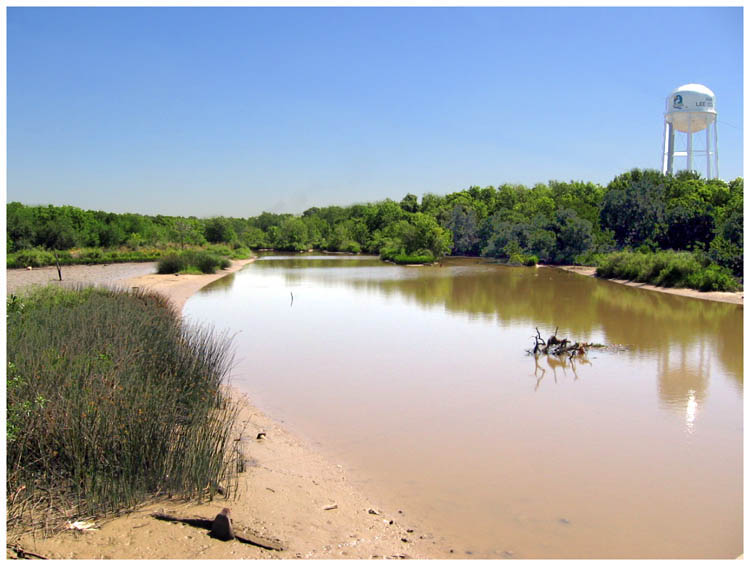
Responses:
[545,297]
[312,262]
[223,284]
[683,378]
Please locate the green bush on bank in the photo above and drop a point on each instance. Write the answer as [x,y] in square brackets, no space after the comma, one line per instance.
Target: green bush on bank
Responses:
[667,269]
[401,258]
[111,399]
[202,261]
[405,259]
[35,257]
[523,259]
[240,252]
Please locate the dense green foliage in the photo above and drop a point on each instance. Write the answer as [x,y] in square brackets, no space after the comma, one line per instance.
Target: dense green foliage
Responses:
[111,399]
[553,223]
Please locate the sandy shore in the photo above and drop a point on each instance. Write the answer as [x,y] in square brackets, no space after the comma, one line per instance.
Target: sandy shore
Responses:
[289,492]
[723,297]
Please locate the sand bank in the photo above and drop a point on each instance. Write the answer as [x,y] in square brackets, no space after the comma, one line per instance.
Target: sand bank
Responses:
[723,297]
[289,491]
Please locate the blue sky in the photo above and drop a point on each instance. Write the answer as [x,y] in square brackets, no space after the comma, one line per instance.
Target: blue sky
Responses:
[233,111]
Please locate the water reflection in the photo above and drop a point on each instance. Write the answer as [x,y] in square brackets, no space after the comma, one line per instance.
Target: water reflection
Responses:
[684,374]
[585,309]
[690,410]
[221,285]
[556,363]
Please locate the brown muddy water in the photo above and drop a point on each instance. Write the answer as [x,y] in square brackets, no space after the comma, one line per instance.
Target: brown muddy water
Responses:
[418,381]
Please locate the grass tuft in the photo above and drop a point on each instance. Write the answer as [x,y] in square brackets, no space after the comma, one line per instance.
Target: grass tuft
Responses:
[111,399]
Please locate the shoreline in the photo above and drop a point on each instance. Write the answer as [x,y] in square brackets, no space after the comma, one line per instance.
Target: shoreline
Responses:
[288,492]
[179,288]
[737,298]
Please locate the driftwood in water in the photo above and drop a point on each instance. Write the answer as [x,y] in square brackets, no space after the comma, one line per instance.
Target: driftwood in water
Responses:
[557,347]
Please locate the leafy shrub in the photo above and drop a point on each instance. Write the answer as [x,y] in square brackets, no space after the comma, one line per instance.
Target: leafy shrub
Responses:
[220,249]
[241,253]
[530,260]
[93,255]
[589,258]
[351,247]
[206,262]
[172,263]
[403,259]
[674,270]
[35,257]
[192,262]
[713,278]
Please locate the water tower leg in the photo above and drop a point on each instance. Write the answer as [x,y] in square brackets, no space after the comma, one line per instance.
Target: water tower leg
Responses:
[716,151]
[670,149]
[708,153]
[690,144]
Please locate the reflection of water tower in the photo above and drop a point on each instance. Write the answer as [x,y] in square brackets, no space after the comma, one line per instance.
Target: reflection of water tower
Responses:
[690,109]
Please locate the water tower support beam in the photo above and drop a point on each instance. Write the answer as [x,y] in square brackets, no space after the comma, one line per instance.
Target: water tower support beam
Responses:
[716,151]
[708,153]
[668,158]
[690,143]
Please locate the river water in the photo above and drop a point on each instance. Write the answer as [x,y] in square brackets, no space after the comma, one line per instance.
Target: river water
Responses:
[417,379]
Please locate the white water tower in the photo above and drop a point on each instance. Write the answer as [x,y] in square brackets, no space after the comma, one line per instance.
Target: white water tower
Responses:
[691,109]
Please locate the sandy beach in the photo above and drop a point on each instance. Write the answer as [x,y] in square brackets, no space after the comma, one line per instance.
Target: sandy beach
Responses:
[289,492]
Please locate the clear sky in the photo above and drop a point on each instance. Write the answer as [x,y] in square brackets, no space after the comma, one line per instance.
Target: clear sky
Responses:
[233,111]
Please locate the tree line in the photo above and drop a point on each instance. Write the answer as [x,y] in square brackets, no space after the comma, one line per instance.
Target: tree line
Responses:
[556,223]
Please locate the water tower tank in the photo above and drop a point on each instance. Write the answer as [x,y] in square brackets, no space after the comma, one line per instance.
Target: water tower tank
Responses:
[690,109]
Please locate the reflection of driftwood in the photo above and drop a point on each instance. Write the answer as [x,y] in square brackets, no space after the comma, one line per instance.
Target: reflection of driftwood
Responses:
[207,524]
[555,362]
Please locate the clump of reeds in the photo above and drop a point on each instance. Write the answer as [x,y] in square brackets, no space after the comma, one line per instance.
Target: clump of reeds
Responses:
[112,399]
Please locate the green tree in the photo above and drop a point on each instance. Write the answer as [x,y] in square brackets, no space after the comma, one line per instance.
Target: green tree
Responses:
[219,229]
[464,225]
[635,213]
[573,235]
[410,203]
[292,235]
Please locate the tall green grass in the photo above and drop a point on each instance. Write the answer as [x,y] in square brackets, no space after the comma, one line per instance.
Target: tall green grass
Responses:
[112,399]
[667,269]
